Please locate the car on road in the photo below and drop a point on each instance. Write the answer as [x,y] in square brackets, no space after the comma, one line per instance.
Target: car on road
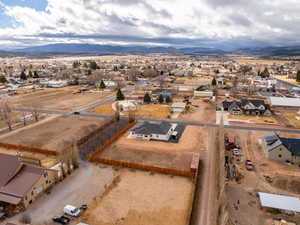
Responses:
[236,152]
[76,113]
[62,220]
[249,165]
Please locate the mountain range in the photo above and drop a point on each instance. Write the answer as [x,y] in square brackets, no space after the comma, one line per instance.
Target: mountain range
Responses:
[92,49]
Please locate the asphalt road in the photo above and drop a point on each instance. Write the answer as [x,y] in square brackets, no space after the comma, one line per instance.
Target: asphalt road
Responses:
[82,112]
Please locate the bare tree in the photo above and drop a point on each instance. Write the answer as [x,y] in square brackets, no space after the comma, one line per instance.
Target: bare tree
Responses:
[35,111]
[132,74]
[24,114]
[6,114]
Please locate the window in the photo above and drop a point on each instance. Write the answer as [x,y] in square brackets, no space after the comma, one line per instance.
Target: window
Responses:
[279,155]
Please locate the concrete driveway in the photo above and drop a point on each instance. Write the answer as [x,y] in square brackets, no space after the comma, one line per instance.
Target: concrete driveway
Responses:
[81,187]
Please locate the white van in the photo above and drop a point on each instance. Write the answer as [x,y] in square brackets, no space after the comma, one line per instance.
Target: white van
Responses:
[71,210]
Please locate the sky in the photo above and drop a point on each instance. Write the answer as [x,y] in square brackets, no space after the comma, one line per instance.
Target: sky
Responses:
[179,23]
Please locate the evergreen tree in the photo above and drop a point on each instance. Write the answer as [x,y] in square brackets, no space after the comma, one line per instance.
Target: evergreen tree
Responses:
[147,98]
[93,65]
[214,82]
[23,76]
[168,99]
[161,99]
[298,76]
[35,74]
[102,85]
[120,96]
[3,79]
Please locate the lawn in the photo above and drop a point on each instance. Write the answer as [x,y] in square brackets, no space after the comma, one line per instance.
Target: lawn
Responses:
[147,110]
[104,109]
[289,80]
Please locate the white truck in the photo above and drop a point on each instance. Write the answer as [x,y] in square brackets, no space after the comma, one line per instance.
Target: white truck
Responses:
[72,210]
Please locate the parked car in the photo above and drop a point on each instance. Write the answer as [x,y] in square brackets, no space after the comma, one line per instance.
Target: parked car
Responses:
[236,152]
[72,210]
[62,220]
[249,165]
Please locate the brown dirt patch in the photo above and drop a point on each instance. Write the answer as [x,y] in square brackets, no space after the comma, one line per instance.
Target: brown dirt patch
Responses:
[140,198]
[55,99]
[56,133]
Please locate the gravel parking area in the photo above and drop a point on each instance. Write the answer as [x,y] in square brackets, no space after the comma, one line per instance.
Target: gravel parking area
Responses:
[81,187]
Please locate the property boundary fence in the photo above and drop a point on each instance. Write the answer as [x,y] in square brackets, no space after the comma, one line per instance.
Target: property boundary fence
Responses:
[28,149]
[122,131]
[84,139]
[144,167]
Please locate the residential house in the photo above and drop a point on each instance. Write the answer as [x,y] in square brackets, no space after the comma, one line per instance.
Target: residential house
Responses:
[178,107]
[21,183]
[247,107]
[159,131]
[281,149]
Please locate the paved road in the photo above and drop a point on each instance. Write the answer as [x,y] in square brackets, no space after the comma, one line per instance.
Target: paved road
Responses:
[184,122]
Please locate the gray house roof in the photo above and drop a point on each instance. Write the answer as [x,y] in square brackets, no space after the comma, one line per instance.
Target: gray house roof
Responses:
[147,128]
[292,144]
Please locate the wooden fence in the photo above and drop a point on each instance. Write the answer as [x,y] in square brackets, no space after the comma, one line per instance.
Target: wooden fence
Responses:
[144,167]
[28,149]
[94,154]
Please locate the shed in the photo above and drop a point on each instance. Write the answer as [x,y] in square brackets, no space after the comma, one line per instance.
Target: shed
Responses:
[281,202]
[178,107]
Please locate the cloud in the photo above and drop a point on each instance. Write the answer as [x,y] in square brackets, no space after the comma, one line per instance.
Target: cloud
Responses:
[166,22]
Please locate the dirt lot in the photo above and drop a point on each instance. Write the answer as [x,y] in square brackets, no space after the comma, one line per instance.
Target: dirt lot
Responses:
[55,99]
[204,112]
[55,133]
[268,176]
[142,198]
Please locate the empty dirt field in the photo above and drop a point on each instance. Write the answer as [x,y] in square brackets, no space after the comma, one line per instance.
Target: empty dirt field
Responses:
[142,198]
[55,99]
[204,112]
[56,133]
[178,161]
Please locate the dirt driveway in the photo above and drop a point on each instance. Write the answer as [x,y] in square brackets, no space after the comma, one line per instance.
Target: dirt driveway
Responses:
[81,187]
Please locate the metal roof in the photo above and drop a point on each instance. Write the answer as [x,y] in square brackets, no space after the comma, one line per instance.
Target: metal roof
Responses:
[282,101]
[279,202]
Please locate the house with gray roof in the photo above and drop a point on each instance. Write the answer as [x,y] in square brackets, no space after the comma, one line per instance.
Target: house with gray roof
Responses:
[281,149]
[153,130]
[254,107]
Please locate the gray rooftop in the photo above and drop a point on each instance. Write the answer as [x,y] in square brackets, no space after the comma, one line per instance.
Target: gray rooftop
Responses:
[279,202]
[147,128]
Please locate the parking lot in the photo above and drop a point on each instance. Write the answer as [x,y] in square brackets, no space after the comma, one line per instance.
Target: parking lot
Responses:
[81,187]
